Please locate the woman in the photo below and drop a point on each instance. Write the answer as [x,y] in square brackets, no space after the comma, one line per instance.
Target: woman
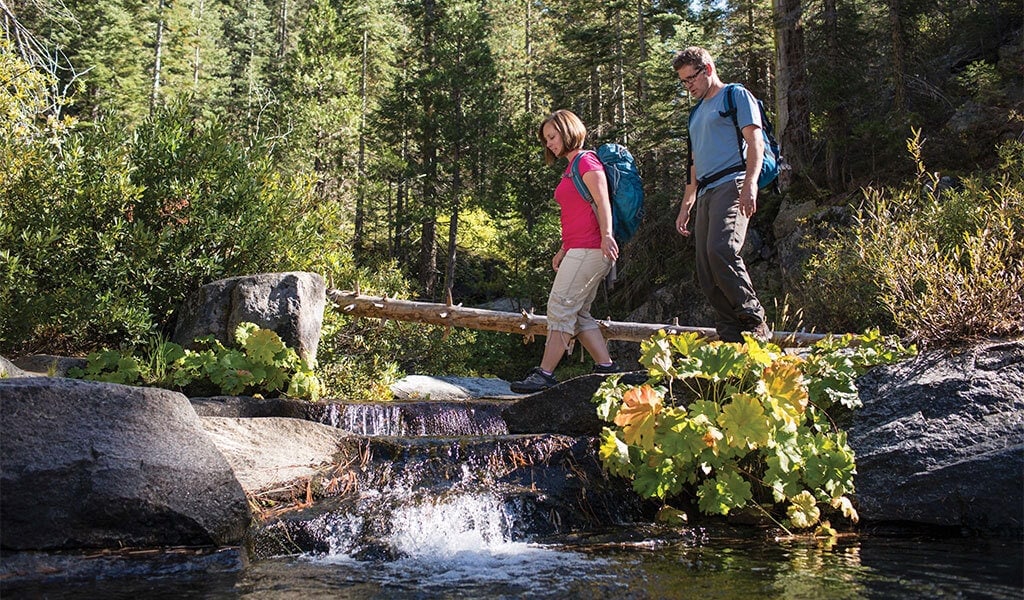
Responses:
[587,254]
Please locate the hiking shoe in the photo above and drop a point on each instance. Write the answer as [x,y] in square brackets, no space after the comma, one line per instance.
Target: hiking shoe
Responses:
[603,370]
[760,333]
[535,381]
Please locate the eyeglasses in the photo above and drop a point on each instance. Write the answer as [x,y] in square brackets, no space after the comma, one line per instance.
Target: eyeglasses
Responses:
[692,78]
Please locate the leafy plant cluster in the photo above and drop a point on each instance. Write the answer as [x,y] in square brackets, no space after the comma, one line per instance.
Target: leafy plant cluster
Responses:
[741,425]
[937,262]
[261,364]
[104,231]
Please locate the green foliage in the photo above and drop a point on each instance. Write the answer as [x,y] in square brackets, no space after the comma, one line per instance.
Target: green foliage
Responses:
[261,364]
[936,268]
[104,232]
[981,80]
[360,358]
[741,424]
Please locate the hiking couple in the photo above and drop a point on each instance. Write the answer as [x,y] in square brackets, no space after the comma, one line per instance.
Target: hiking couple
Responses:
[725,195]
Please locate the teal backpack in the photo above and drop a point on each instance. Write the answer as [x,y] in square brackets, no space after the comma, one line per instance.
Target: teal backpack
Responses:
[625,189]
[772,153]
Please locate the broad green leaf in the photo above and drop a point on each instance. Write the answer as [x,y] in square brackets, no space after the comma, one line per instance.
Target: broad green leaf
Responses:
[614,454]
[759,354]
[169,352]
[784,482]
[658,480]
[710,410]
[262,346]
[803,512]
[723,493]
[831,466]
[304,384]
[678,435]
[744,422]
[638,415]
[608,398]
[243,331]
[276,379]
[686,343]
[656,355]
[720,361]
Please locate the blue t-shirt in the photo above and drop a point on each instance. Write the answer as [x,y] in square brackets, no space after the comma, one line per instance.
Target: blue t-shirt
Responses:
[714,136]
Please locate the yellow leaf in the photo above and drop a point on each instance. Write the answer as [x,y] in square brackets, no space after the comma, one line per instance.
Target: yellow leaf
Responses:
[843,504]
[784,382]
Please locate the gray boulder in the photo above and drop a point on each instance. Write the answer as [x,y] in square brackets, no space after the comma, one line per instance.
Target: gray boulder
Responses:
[940,440]
[271,452]
[291,304]
[9,370]
[95,465]
[419,387]
[48,364]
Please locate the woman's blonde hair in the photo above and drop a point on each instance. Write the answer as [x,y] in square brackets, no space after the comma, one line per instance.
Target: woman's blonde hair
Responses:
[569,127]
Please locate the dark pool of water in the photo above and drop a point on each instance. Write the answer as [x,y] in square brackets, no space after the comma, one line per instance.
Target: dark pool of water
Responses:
[637,563]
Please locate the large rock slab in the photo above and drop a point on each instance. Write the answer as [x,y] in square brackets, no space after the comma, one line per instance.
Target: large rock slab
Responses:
[424,387]
[940,440]
[566,408]
[48,364]
[291,304]
[95,465]
[268,452]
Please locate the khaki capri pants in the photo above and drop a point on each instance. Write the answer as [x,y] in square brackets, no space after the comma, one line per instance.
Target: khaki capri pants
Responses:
[574,290]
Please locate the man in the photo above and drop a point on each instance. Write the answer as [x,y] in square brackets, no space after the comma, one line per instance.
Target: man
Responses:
[724,187]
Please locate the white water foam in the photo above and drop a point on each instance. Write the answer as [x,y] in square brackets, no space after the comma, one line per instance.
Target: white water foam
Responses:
[455,541]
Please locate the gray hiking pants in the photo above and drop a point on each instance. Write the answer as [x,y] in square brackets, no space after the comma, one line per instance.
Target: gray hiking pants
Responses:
[719,232]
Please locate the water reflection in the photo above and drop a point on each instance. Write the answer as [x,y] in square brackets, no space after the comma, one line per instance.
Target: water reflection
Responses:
[700,563]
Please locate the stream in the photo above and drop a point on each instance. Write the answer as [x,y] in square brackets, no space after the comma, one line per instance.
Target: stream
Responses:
[453,506]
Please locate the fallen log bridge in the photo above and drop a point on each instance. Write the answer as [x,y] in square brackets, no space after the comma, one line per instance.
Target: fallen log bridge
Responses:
[523,323]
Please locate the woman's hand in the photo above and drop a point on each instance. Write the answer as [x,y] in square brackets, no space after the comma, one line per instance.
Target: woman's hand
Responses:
[556,261]
[609,247]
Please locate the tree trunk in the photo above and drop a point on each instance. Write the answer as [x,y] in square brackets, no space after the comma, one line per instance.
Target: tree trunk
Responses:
[428,230]
[897,58]
[428,256]
[359,225]
[836,118]
[522,323]
[793,109]
[198,12]
[528,93]
[158,51]
[282,30]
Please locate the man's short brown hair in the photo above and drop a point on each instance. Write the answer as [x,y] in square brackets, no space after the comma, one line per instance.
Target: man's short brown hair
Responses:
[695,56]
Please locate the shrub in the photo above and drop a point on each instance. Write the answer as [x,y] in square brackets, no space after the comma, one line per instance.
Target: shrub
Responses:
[113,229]
[933,267]
[740,425]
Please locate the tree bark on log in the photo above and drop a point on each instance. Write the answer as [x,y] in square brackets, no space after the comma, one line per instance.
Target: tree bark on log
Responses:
[523,323]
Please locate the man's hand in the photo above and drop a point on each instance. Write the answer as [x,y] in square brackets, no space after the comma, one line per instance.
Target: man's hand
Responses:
[682,221]
[748,199]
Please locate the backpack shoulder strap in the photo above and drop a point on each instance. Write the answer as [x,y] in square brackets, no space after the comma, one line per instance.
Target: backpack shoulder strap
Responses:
[577,178]
[730,111]
[689,141]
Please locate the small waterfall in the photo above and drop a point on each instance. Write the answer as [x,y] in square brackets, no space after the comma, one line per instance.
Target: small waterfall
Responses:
[419,419]
[370,419]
